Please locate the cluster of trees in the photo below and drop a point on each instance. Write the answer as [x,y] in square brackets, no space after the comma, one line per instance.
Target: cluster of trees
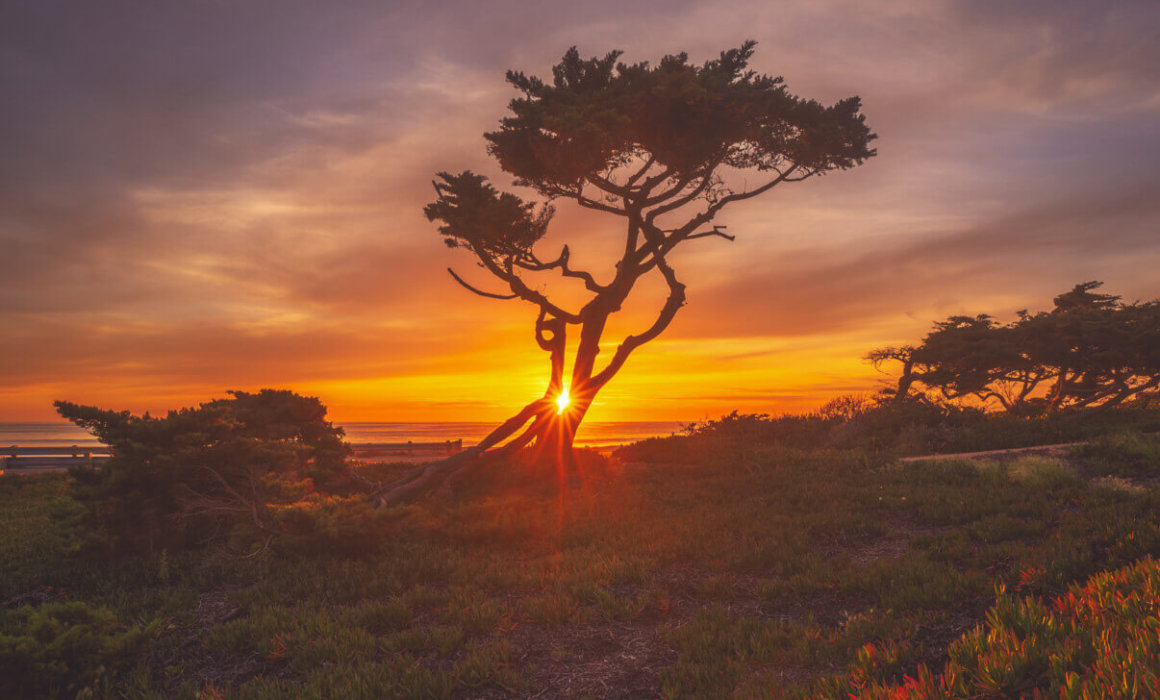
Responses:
[196,474]
[1090,351]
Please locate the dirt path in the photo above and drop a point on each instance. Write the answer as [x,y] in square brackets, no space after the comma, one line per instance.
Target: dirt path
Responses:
[1055,450]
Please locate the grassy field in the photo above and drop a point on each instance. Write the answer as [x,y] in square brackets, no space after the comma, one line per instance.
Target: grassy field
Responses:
[729,570]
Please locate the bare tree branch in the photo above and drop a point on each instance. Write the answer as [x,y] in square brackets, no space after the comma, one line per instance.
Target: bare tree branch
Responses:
[561,262]
[661,248]
[640,173]
[672,305]
[556,344]
[650,183]
[598,206]
[785,176]
[676,189]
[715,232]
[606,185]
[481,293]
[521,289]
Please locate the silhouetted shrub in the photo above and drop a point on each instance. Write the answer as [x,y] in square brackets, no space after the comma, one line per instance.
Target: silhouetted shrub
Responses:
[198,472]
[912,426]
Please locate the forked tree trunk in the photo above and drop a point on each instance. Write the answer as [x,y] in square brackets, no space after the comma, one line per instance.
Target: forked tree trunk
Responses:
[542,427]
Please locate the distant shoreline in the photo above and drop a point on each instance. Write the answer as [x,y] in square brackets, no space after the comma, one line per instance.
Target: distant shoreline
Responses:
[593,434]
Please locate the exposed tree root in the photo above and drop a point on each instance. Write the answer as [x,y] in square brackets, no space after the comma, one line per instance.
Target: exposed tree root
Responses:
[544,428]
[427,477]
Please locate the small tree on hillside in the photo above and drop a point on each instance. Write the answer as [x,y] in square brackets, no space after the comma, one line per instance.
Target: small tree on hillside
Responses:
[662,150]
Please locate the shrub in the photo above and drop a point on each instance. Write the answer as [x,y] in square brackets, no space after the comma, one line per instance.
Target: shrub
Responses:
[913,426]
[65,649]
[336,525]
[198,472]
[1042,472]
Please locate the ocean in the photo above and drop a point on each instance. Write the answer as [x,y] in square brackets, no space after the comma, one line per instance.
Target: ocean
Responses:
[591,433]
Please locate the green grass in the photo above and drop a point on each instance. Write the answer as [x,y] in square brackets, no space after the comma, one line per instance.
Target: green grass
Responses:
[1122,454]
[746,571]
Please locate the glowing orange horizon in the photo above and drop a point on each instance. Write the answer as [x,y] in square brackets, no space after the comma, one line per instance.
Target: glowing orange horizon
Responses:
[677,379]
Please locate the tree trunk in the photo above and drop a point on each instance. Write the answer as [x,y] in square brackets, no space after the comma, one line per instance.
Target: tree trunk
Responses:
[548,430]
[902,393]
[548,434]
[1058,392]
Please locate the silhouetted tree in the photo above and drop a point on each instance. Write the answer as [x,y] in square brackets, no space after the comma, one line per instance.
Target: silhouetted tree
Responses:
[662,149]
[1103,352]
[1090,351]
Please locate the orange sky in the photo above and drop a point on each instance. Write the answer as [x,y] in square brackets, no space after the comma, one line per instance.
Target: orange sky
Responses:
[203,197]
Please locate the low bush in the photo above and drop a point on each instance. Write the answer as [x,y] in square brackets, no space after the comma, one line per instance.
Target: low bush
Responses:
[66,650]
[912,427]
[197,473]
[330,524]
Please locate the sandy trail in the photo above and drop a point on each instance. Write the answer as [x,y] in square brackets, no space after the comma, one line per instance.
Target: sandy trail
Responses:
[1056,450]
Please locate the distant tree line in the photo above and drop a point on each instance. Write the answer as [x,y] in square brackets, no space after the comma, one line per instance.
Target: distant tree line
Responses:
[1092,351]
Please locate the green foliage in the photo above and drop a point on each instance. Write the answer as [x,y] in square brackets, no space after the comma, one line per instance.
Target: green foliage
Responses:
[197,472]
[1121,454]
[330,524]
[41,523]
[66,649]
[1042,472]
[480,218]
[487,664]
[553,608]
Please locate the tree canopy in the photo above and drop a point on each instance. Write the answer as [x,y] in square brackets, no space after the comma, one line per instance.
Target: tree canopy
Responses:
[598,115]
[639,141]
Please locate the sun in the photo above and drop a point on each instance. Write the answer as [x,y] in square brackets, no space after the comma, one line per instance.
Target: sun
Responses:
[562,401]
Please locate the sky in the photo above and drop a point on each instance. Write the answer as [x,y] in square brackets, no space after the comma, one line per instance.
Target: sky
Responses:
[200,196]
